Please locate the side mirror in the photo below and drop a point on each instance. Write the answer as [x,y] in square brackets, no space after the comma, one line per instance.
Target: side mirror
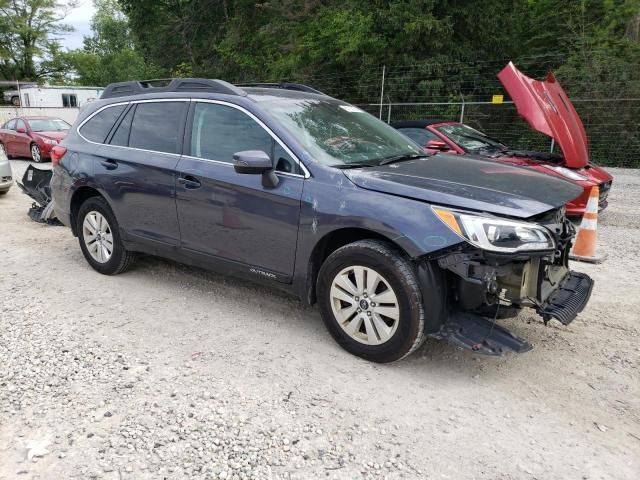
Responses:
[438,145]
[256,162]
[21,130]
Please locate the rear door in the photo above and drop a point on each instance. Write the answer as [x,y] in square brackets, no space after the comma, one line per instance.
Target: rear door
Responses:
[233,216]
[136,169]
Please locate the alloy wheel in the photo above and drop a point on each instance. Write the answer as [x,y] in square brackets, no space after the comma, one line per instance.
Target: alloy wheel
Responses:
[365,305]
[35,153]
[97,236]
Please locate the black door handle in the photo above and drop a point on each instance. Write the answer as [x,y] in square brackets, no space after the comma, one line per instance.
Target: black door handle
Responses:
[109,164]
[189,182]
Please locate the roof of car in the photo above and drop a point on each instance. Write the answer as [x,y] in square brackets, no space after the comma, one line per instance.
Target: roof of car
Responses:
[420,123]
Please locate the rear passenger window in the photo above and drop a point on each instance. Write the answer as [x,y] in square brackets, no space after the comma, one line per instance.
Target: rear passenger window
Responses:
[156,126]
[121,136]
[99,126]
[219,131]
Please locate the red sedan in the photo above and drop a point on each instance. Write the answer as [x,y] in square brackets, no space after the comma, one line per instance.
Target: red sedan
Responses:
[548,110]
[32,137]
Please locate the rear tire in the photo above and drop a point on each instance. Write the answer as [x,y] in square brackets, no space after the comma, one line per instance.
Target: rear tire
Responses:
[372,284]
[99,237]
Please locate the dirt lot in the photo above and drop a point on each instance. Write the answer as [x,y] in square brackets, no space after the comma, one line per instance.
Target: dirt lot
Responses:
[172,372]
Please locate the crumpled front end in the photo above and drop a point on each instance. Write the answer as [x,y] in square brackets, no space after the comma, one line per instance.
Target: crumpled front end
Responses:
[486,286]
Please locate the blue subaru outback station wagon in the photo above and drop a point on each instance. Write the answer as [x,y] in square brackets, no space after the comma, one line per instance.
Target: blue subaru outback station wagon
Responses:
[286,186]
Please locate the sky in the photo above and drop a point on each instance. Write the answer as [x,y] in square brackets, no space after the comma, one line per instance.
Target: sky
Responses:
[80,19]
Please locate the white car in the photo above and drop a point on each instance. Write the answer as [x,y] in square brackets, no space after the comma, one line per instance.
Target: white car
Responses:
[6,177]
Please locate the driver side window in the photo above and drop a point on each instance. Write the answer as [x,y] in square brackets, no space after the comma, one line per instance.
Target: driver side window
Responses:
[219,131]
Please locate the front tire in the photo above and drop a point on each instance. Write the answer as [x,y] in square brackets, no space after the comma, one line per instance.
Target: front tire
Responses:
[36,154]
[99,237]
[370,301]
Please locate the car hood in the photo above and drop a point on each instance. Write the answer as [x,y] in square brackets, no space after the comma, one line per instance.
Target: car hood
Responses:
[546,107]
[55,135]
[468,182]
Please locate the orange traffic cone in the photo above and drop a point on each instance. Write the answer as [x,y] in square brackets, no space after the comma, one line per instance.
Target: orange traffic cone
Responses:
[584,247]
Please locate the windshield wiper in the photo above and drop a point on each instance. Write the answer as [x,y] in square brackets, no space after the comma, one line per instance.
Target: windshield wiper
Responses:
[403,157]
[344,166]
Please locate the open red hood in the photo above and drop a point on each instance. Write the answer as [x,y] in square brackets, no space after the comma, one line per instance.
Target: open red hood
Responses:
[546,107]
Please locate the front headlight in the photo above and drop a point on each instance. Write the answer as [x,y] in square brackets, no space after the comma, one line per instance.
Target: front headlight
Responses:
[50,141]
[566,172]
[496,234]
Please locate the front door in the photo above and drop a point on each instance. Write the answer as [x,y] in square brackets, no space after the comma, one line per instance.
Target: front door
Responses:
[230,215]
[22,140]
[9,137]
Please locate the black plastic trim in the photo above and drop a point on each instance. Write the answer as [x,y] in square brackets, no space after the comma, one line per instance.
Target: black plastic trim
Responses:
[123,89]
[298,87]
[565,303]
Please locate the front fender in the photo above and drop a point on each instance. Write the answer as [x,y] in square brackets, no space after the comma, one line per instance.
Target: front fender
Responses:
[338,204]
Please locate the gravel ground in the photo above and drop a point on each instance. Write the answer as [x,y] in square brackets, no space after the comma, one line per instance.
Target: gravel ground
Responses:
[172,372]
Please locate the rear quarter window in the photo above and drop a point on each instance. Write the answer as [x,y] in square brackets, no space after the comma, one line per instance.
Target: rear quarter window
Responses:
[98,127]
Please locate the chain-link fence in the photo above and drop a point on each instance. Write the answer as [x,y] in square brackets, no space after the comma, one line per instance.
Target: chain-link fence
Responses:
[613,126]
[606,96]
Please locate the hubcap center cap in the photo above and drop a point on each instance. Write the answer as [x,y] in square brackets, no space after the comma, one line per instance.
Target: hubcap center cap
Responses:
[364,305]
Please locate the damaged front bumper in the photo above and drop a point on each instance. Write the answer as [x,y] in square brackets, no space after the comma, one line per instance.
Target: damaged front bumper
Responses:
[483,286]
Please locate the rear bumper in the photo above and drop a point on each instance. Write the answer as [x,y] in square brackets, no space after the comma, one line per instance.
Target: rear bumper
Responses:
[61,197]
[64,217]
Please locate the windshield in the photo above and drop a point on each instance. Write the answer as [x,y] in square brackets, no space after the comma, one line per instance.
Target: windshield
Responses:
[470,139]
[48,125]
[338,134]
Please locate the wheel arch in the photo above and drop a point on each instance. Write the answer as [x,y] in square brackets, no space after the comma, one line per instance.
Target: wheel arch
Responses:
[332,241]
[77,199]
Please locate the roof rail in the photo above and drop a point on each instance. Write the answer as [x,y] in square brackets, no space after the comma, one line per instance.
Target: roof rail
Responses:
[285,86]
[135,87]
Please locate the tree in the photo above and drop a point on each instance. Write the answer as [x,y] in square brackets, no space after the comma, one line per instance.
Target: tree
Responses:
[109,54]
[29,46]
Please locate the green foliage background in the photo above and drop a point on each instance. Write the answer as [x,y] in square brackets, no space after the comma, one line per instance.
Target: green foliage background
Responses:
[434,51]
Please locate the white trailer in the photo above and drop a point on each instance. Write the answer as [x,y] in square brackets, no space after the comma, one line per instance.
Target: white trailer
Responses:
[52,96]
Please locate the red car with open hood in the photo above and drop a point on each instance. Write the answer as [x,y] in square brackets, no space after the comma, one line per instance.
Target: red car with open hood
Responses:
[32,137]
[546,107]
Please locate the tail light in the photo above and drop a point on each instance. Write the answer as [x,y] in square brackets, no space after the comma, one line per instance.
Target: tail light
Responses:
[57,153]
